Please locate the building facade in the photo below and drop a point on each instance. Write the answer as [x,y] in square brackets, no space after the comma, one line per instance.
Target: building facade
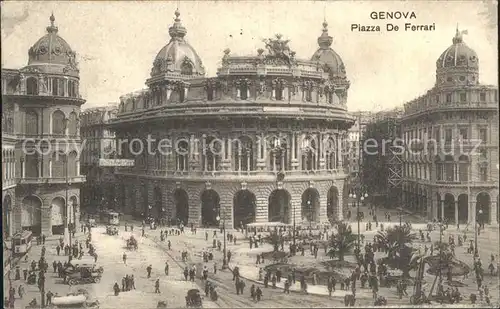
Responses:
[40,139]
[243,159]
[355,154]
[99,143]
[452,169]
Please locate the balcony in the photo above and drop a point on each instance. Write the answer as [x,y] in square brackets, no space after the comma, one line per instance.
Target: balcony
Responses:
[50,180]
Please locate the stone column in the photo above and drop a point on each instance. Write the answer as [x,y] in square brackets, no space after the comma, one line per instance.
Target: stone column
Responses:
[261,207]
[493,212]
[340,202]
[295,161]
[456,212]
[321,146]
[261,160]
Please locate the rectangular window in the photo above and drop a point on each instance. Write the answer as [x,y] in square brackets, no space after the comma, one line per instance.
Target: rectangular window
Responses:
[482,97]
[448,98]
[483,153]
[437,99]
[437,133]
[448,135]
[464,133]
[483,135]
[463,97]
[483,171]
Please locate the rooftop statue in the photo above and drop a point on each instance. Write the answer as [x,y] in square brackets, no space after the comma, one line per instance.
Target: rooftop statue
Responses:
[278,51]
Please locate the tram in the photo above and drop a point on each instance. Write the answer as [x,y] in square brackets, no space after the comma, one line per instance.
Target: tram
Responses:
[21,242]
[110,217]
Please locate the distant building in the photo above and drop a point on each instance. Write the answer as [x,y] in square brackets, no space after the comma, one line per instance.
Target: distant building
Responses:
[41,140]
[99,143]
[447,180]
[355,137]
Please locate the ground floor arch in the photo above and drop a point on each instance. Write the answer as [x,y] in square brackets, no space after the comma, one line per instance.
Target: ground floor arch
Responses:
[279,206]
[57,215]
[31,214]
[310,205]
[157,210]
[463,208]
[146,207]
[210,208]
[181,206]
[449,207]
[243,208]
[332,203]
[6,217]
[483,207]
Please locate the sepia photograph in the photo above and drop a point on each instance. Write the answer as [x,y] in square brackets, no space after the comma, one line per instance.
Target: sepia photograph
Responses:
[250,154]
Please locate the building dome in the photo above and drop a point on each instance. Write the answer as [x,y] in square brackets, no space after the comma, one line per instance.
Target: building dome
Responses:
[333,62]
[177,56]
[52,50]
[458,55]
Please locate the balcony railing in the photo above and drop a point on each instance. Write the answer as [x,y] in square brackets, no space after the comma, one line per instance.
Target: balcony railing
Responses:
[51,180]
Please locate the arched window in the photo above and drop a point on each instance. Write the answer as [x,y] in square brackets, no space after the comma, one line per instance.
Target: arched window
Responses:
[309,151]
[72,88]
[439,168]
[330,154]
[31,123]
[212,154]
[450,168]
[186,69]
[463,168]
[244,91]
[243,154]
[182,155]
[31,165]
[278,154]
[73,124]
[58,165]
[72,164]
[32,86]
[58,123]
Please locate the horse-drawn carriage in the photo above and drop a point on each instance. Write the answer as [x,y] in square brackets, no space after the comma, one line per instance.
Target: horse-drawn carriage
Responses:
[84,274]
[111,230]
[193,299]
[132,243]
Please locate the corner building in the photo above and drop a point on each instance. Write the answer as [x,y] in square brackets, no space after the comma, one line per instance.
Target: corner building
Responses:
[446,176]
[40,139]
[258,143]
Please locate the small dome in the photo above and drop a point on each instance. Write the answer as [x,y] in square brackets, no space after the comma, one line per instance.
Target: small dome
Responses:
[333,62]
[458,55]
[53,50]
[177,56]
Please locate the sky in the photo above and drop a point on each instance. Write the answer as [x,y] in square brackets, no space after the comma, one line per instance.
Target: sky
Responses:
[116,42]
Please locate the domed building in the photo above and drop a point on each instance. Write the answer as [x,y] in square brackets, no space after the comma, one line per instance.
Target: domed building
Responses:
[258,143]
[451,178]
[41,126]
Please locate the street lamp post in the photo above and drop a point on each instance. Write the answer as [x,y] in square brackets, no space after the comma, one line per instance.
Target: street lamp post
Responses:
[310,212]
[67,233]
[224,258]
[480,215]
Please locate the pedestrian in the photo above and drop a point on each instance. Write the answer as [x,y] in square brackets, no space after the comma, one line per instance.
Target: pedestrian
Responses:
[49,297]
[215,268]
[58,249]
[25,274]
[124,258]
[116,289]
[148,269]
[287,287]
[95,257]
[124,283]
[258,293]
[157,286]
[252,292]
[186,273]
[132,282]
[166,268]
[20,291]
